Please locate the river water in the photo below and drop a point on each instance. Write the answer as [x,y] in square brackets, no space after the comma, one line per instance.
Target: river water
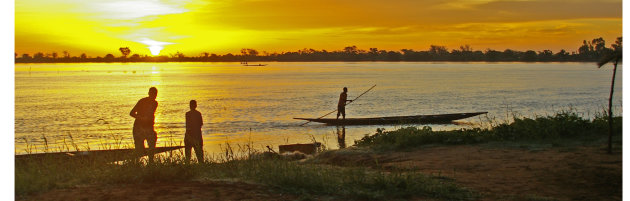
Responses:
[86,106]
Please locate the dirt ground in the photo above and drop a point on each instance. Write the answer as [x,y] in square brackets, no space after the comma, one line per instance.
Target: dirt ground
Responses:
[195,190]
[583,174]
[578,173]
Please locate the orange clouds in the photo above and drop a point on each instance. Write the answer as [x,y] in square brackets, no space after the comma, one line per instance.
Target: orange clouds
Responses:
[220,26]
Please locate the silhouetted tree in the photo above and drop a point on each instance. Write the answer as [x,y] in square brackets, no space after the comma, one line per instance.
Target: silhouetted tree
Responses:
[393,56]
[408,55]
[585,51]
[350,50]
[617,45]
[124,51]
[83,56]
[599,46]
[463,54]
[109,57]
[529,55]
[510,55]
[492,55]
[614,58]
[229,57]
[584,48]
[249,52]
[38,55]
[562,55]
[26,56]
[466,48]
[54,55]
[178,55]
[66,54]
[438,52]
[545,55]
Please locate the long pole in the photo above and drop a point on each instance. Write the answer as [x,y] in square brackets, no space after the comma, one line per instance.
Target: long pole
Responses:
[346,104]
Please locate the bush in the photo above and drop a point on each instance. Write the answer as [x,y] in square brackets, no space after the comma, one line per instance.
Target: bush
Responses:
[563,125]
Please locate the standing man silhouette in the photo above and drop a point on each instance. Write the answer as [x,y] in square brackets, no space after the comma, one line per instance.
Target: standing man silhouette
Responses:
[192,138]
[144,112]
[341,106]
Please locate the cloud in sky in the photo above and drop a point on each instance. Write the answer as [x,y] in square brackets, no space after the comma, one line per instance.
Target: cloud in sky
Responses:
[221,26]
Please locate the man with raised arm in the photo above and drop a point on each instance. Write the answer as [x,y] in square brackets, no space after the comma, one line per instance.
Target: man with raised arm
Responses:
[144,112]
[341,106]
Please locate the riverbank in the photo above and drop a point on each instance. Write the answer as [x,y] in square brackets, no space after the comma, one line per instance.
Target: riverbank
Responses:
[572,165]
[493,171]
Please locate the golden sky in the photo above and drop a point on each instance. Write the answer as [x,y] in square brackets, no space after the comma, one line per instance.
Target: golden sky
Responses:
[98,27]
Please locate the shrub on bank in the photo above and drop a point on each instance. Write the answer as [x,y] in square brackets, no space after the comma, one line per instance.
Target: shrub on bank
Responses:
[559,126]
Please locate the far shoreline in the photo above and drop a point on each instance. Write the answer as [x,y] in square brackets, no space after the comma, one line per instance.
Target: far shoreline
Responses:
[340,61]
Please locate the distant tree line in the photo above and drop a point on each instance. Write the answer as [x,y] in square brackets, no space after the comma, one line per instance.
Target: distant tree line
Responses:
[589,51]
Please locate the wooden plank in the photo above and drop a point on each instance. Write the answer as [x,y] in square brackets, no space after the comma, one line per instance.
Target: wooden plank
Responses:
[104,155]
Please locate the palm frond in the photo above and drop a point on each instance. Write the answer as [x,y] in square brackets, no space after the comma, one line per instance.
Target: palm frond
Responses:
[612,57]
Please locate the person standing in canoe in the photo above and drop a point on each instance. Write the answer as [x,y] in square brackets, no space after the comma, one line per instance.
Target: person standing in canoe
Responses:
[343,100]
[144,113]
[192,138]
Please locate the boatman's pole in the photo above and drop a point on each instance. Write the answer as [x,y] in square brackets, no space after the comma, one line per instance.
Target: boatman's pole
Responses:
[346,104]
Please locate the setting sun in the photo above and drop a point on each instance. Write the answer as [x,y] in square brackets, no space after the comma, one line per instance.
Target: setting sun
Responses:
[98,27]
[154,46]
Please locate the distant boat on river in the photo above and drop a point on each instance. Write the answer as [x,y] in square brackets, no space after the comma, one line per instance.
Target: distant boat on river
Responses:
[246,64]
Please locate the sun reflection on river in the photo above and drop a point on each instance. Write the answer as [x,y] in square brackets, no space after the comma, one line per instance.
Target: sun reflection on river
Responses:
[256,105]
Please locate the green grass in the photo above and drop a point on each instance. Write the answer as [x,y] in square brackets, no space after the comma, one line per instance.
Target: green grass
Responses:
[563,125]
[302,179]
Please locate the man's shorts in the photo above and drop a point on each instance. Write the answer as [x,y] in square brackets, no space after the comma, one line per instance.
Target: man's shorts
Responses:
[142,133]
[341,110]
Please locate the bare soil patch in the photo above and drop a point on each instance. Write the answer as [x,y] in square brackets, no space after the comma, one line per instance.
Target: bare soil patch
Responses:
[576,173]
[498,173]
[194,190]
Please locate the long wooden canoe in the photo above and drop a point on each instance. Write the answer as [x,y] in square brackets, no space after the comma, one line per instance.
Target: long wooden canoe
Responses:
[416,119]
[110,155]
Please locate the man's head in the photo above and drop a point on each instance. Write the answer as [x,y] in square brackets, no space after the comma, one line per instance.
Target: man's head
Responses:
[345,89]
[193,104]
[153,92]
